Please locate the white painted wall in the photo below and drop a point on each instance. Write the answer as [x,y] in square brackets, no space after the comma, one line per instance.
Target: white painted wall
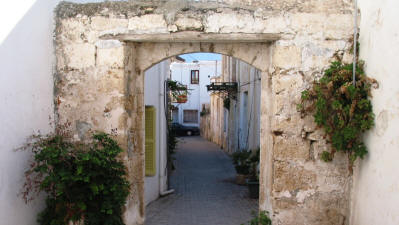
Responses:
[198,93]
[26,96]
[246,111]
[375,198]
[154,96]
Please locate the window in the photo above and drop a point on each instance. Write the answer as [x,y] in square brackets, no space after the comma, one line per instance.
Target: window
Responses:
[194,76]
[190,116]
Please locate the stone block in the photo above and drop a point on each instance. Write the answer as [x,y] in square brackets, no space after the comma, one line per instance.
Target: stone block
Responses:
[188,24]
[231,23]
[339,26]
[111,81]
[287,83]
[280,103]
[309,124]
[79,56]
[72,29]
[110,54]
[101,23]
[316,135]
[287,57]
[291,125]
[291,177]
[308,23]
[292,148]
[151,23]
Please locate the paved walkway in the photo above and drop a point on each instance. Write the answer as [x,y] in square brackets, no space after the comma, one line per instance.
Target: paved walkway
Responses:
[205,193]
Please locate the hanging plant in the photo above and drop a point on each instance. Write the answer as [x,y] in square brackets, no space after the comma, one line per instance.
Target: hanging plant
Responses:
[342,109]
[178,91]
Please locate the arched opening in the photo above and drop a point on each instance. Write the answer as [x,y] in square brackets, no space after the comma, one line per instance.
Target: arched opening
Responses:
[103,50]
[245,108]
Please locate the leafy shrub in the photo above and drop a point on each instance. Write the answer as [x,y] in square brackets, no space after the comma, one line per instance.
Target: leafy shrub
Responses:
[342,109]
[83,181]
[246,162]
[260,219]
[241,162]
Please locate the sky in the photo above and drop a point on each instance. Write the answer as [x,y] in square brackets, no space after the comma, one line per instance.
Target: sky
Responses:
[201,56]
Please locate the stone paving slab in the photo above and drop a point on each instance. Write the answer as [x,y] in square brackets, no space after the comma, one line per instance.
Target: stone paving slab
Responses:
[205,192]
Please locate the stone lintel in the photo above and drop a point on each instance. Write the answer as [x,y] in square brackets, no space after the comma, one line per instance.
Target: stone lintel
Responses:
[192,36]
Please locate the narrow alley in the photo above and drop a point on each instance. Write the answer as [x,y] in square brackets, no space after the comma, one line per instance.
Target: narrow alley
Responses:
[205,192]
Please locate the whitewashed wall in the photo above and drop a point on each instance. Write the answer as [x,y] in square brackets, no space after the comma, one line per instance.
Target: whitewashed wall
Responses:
[154,96]
[376,181]
[198,93]
[26,96]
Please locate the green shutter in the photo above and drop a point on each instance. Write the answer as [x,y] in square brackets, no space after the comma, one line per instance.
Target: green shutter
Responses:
[150,141]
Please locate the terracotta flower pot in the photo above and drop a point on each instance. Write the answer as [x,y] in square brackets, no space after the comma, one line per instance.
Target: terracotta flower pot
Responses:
[241,179]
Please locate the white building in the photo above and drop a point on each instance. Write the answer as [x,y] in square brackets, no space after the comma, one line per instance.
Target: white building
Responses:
[196,76]
[154,96]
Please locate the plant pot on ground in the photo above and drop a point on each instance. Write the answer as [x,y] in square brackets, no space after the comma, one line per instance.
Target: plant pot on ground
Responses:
[253,188]
[253,176]
[242,165]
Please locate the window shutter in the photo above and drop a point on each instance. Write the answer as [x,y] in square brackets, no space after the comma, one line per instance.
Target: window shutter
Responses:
[150,141]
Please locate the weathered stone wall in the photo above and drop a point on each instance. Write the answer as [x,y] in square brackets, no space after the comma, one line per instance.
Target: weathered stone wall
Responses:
[100,86]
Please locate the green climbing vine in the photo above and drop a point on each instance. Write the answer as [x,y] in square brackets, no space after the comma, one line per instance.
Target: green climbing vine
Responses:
[84,181]
[342,109]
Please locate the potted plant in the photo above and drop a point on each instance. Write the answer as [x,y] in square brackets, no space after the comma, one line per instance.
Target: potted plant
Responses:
[181,98]
[242,165]
[253,176]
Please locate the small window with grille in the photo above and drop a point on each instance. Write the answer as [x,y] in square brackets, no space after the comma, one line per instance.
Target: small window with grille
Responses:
[190,116]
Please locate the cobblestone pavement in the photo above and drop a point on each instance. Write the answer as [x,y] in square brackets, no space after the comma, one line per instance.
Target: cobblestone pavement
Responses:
[205,192]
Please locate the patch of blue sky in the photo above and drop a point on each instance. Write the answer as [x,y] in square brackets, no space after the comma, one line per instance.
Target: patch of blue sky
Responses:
[201,56]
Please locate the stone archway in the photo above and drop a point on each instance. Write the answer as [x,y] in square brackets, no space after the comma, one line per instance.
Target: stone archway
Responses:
[143,55]
[103,49]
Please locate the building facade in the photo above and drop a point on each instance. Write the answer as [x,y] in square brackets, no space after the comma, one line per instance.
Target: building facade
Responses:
[234,117]
[195,76]
[156,154]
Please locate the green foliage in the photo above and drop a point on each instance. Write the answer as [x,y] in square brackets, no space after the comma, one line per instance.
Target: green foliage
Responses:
[177,89]
[343,110]
[246,162]
[241,162]
[83,181]
[260,219]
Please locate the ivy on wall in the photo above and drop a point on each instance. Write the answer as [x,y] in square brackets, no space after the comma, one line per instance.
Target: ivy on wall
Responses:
[342,109]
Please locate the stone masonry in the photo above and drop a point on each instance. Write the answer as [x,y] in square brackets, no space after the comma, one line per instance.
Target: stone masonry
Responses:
[103,49]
